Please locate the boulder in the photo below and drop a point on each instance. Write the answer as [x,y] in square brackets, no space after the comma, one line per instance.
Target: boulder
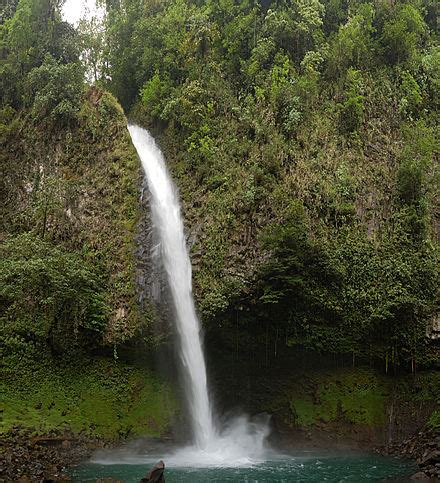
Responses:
[420,476]
[156,474]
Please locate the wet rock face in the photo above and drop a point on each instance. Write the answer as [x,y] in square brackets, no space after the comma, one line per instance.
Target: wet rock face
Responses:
[148,280]
[29,458]
[151,283]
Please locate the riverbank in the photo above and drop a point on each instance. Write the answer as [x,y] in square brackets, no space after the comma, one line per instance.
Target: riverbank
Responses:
[56,413]
[30,457]
[27,457]
[424,448]
[49,425]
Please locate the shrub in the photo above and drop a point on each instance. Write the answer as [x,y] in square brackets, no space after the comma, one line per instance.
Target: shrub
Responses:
[351,112]
[402,33]
[56,91]
[411,95]
[48,295]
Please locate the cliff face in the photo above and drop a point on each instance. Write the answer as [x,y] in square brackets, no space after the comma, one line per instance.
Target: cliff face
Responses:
[304,143]
[77,188]
[317,239]
[70,295]
[330,367]
[309,181]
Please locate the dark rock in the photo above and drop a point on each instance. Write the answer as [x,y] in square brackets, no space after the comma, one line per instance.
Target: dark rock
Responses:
[424,448]
[66,444]
[420,476]
[156,474]
[429,457]
[42,458]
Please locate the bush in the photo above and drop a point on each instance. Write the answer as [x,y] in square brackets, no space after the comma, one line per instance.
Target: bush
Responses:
[409,182]
[351,112]
[56,91]
[48,295]
[411,99]
[402,33]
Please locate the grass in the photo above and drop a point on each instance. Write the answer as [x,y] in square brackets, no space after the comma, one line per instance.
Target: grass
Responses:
[97,397]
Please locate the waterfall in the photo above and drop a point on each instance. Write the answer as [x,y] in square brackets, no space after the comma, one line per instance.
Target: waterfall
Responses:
[240,441]
[167,220]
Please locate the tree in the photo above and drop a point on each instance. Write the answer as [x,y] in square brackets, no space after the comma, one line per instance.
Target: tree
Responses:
[402,34]
[353,45]
[56,91]
[35,30]
[92,35]
[48,296]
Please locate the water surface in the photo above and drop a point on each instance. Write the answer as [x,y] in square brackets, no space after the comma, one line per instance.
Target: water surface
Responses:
[353,467]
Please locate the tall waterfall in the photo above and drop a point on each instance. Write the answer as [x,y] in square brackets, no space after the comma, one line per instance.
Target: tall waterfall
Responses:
[240,441]
[167,221]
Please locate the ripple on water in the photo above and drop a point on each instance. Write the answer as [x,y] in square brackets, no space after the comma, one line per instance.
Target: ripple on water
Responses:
[351,468]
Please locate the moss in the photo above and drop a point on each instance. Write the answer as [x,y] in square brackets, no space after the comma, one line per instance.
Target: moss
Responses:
[97,397]
[355,396]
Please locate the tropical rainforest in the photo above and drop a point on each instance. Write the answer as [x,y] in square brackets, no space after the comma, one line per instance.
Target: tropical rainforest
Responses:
[303,137]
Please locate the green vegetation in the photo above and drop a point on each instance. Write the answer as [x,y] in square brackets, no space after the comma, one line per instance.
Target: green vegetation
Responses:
[303,137]
[353,397]
[48,296]
[358,397]
[68,223]
[64,175]
[97,397]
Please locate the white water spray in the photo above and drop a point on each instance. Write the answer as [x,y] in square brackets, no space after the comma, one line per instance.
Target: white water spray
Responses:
[240,441]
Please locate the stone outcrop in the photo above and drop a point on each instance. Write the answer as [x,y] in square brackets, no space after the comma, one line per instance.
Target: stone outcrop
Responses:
[424,448]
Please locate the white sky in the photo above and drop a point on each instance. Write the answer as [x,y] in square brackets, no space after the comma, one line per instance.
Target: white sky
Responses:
[73,10]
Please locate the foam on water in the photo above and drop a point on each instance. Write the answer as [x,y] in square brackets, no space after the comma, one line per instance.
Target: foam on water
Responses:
[241,444]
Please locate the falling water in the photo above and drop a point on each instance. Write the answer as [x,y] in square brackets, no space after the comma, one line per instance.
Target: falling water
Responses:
[240,441]
[167,220]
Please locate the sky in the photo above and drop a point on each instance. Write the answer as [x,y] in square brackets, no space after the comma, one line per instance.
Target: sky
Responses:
[73,10]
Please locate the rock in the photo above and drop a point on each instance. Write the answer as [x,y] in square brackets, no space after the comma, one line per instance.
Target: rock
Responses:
[156,474]
[420,476]
[66,444]
[42,458]
[429,457]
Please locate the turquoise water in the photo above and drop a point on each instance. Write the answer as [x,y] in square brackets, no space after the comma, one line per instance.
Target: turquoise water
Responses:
[286,469]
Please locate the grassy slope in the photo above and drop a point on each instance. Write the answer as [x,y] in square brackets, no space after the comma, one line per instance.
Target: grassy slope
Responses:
[97,397]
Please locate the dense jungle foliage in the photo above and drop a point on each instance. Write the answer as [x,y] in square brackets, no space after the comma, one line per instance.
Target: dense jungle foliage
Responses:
[304,139]
[303,136]
[70,189]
